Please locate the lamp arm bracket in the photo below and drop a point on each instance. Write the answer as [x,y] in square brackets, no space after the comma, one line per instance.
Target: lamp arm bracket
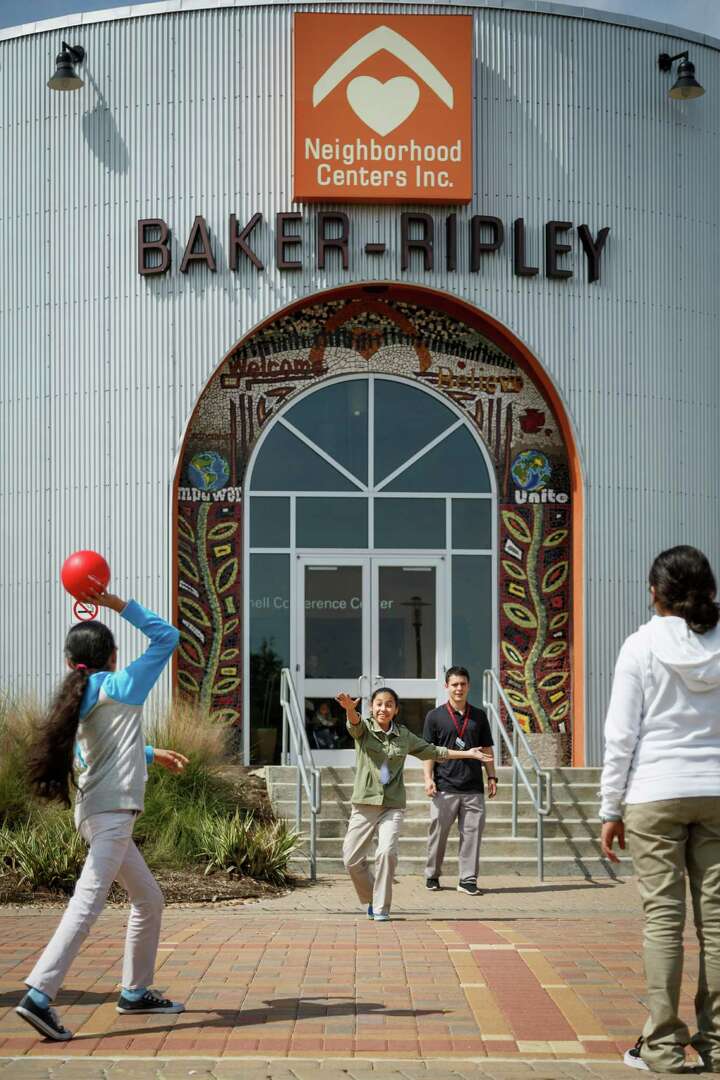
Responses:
[666,61]
[77,52]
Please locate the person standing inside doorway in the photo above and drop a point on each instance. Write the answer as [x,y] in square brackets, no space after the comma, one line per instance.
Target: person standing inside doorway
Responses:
[456,787]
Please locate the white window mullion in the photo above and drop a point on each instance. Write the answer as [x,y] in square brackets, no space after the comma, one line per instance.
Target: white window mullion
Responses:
[420,454]
[371,461]
[321,453]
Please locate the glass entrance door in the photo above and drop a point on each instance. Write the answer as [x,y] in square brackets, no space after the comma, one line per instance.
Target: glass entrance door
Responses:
[407,632]
[332,648]
[363,623]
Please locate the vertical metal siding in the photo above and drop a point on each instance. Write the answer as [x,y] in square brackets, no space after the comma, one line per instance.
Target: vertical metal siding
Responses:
[191,113]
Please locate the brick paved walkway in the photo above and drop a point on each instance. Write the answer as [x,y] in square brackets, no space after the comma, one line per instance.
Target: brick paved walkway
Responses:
[453,984]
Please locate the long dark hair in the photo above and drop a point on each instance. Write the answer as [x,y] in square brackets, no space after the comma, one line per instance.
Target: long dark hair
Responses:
[685,585]
[50,762]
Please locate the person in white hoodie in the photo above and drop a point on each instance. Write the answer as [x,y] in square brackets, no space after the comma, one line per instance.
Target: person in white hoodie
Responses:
[661,788]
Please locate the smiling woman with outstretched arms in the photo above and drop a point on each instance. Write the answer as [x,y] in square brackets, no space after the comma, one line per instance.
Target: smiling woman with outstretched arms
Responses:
[378,800]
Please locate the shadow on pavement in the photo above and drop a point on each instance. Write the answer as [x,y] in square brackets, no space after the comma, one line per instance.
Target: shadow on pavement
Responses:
[303,1008]
[278,1009]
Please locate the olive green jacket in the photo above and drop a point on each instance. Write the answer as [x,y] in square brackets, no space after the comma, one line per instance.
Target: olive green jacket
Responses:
[374,747]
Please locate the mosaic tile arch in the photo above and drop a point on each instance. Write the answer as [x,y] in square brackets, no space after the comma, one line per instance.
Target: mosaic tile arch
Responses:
[505,404]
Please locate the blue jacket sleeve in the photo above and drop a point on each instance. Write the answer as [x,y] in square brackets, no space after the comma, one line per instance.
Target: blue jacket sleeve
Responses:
[133,684]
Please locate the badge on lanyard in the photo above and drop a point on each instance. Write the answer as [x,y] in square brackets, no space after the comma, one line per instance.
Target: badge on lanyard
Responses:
[459,741]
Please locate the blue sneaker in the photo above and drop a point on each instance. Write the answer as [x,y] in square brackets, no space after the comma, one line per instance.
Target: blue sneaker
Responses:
[382,916]
[149,1003]
[43,1020]
[370,911]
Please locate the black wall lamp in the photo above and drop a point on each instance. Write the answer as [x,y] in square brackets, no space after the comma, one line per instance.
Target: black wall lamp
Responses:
[686,85]
[65,77]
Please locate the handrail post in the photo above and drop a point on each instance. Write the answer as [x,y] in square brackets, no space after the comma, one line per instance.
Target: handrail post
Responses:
[514,783]
[540,832]
[313,828]
[298,800]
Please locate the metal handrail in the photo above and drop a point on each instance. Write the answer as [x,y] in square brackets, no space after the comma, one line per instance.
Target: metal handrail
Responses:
[295,740]
[541,793]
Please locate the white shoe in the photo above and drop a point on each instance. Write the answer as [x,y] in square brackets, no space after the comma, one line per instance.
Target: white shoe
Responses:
[632,1057]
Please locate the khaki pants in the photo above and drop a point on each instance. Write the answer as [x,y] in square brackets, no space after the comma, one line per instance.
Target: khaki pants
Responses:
[667,840]
[112,857]
[469,809]
[365,822]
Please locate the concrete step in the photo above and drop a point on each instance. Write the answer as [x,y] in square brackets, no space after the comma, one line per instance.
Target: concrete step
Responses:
[492,846]
[415,790]
[336,826]
[490,866]
[280,773]
[571,830]
[418,809]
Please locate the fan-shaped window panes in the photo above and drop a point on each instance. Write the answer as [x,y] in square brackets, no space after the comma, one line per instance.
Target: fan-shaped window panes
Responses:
[336,419]
[406,419]
[287,464]
[455,464]
[336,438]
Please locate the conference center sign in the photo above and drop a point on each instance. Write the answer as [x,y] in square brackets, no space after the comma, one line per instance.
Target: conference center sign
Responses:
[383,108]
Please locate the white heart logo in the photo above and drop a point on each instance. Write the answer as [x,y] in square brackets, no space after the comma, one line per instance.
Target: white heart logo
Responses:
[383,106]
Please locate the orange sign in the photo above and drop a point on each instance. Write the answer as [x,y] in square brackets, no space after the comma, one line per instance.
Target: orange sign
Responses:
[383,108]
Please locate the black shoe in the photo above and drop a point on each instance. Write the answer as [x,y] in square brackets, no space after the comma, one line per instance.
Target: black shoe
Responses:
[632,1057]
[149,1003]
[469,887]
[432,883]
[43,1020]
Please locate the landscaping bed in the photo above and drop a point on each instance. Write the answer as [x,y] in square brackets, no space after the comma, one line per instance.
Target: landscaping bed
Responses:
[209,834]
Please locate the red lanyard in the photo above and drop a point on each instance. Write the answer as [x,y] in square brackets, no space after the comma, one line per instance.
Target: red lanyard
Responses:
[466,717]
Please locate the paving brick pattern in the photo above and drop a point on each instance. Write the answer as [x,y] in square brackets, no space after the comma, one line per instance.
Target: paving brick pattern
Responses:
[446,988]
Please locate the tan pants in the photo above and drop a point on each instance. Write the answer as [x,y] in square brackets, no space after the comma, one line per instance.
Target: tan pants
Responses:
[667,840]
[469,810]
[365,823]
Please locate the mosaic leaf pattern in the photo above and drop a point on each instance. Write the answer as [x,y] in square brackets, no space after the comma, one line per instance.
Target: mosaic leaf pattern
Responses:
[424,345]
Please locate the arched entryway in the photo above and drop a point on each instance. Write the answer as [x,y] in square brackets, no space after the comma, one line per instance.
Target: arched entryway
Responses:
[354,442]
[370,532]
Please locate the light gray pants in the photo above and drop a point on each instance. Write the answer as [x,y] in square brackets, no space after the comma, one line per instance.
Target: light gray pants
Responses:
[112,857]
[366,822]
[469,810]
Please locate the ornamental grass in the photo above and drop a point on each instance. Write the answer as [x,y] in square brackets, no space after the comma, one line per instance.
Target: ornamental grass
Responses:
[192,821]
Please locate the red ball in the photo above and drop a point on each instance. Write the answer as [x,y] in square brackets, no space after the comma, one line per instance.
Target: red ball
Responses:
[85,572]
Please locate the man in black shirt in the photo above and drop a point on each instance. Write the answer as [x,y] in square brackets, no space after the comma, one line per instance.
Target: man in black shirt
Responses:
[456,787]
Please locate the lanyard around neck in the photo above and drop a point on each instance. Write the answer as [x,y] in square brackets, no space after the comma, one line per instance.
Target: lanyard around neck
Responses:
[466,718]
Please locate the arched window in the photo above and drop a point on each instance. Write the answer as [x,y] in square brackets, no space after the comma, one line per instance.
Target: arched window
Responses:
[350,490]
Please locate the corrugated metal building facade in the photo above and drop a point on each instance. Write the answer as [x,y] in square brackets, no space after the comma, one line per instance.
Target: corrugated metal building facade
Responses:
[187,110]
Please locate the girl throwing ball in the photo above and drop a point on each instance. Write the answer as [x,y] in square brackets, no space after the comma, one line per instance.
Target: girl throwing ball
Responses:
[96,718]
